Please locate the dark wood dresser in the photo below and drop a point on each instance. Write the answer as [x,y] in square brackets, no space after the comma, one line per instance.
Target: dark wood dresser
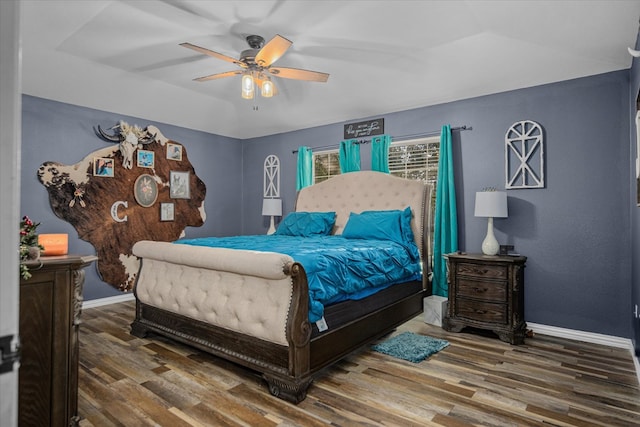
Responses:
[50,306]
[487,292]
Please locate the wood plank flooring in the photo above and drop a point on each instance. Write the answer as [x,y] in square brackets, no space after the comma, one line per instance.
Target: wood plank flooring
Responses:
[477,380]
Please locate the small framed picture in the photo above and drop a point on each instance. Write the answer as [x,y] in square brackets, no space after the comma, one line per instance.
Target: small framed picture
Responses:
[103,166]
[145,190]
[179,185]
[167,211]
[146,159]
[174,151]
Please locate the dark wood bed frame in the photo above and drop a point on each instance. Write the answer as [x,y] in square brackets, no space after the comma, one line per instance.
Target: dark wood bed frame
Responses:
[289,370]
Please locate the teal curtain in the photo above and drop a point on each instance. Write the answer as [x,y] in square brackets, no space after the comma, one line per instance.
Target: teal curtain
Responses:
[380,153]
[349,156]
[445,235]
[304,176]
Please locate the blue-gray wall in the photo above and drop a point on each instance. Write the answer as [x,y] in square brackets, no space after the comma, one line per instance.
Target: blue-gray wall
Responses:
[575,232]
[64,133]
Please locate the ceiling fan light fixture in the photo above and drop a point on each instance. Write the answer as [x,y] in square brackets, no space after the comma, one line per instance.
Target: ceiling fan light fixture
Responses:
[247,86]
[256,62]
[267,88]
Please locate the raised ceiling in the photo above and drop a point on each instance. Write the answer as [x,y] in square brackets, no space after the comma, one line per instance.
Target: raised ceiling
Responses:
[383,56]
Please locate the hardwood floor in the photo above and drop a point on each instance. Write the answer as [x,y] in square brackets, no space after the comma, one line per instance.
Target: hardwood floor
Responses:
[477,380]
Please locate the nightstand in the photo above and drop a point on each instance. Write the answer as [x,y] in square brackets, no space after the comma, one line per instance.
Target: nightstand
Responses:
[486,292]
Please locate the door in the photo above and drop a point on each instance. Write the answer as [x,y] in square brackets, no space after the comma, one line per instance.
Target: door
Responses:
[10,140]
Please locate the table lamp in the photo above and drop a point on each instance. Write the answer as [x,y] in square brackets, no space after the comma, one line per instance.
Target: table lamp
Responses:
[491,204]
[272,207]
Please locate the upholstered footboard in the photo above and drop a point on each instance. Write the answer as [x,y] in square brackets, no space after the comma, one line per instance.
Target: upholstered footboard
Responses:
[248,307]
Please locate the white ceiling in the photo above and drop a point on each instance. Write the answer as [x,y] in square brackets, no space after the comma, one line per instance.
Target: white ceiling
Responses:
[383,56]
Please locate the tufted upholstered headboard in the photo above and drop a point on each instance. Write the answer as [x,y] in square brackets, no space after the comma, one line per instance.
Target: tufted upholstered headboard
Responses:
[369,190]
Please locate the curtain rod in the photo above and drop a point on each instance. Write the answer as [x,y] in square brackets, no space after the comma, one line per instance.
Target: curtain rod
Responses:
[395,138]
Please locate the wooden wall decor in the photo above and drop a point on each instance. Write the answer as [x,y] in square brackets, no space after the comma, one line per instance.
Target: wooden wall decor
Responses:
[524,155]
[271,179]
[114,204]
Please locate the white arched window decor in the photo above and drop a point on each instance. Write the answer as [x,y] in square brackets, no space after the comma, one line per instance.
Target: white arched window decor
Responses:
[271,177]
[524,155]
[271,203]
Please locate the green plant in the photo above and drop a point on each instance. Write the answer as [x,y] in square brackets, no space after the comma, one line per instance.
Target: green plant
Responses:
[28,241]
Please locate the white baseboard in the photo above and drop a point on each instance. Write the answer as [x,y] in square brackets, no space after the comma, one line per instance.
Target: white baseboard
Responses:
[580,335]
[591,337]
[108,300]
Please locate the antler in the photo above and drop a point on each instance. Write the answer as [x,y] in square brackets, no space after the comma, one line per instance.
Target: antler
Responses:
[110,138]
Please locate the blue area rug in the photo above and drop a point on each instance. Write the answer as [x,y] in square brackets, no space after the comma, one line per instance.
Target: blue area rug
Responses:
[409,346]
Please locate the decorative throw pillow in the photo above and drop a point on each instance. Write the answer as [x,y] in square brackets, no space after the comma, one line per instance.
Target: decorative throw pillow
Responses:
[307,224]
[394,225]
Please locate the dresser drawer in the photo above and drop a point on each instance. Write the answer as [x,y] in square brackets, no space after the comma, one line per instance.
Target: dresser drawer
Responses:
[489,291]
[481,311]
[482,271]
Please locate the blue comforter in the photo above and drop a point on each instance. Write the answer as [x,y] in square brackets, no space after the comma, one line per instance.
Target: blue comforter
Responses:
[337,268]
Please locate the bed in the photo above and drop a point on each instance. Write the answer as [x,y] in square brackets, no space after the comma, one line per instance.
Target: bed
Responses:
[252,307]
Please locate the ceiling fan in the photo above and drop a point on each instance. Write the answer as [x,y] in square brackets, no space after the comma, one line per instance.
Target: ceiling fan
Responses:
[257,67]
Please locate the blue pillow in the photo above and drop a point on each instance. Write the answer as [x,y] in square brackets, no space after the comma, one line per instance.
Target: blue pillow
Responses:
[394,225]
[306,224]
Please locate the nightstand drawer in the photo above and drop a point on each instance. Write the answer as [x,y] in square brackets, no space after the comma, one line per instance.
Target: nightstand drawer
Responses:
[485,290]
[482,311]
[482,271]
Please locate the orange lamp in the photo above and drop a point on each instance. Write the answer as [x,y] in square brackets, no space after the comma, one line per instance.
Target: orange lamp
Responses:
[54,244]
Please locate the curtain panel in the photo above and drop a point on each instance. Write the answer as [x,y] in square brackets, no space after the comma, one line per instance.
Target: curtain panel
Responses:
[445,235]
[380,153]
[304,175]
[349,156]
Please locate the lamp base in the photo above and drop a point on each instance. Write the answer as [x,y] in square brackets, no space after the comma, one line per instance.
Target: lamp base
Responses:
[490,245]
[272,227]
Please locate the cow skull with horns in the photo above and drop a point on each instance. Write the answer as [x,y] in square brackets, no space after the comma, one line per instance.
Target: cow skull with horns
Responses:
[129,137]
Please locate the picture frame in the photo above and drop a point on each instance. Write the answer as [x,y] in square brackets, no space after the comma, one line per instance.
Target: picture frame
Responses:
[145,190]
[146,159]
[103,166]
[174,151]
[179,185]
[167,211]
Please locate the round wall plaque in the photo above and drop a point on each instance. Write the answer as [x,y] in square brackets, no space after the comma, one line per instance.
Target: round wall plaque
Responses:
[145,190]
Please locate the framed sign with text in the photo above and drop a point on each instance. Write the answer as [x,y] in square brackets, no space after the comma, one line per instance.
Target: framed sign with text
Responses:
[364,129]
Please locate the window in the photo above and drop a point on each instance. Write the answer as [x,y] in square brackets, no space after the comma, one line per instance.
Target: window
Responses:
[325,165]
[418,159]
[415,159]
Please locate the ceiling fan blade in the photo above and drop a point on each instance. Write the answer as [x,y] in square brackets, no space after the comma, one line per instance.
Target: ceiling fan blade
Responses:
[214,54]
[273,50]
[298,74]
[218,76]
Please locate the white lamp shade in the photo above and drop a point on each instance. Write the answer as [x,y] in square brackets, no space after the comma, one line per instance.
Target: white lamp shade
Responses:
[491,204]
[272,207]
